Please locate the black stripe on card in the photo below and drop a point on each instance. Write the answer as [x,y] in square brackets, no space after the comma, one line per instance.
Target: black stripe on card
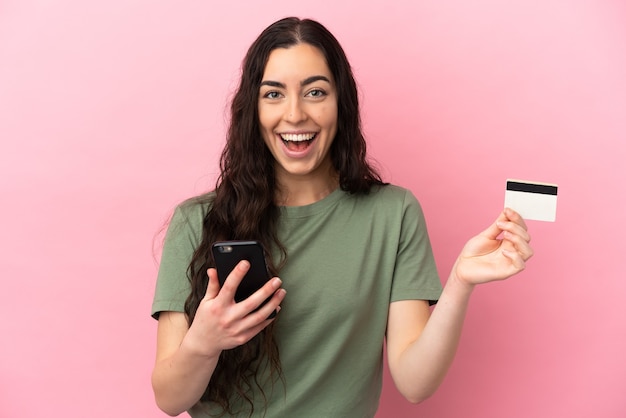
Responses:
[516,186]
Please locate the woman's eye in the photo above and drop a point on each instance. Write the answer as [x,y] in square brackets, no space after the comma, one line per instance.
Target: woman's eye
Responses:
[272,95]
[316,93]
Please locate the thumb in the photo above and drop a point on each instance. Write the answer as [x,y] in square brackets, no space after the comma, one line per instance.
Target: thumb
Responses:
[494,230]
[213,287]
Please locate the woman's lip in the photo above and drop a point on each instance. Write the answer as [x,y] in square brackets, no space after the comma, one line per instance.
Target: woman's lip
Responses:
[297,133]
[297,154]
[309,136]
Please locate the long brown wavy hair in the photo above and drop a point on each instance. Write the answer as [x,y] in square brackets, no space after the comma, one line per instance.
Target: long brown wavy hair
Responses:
[243,203]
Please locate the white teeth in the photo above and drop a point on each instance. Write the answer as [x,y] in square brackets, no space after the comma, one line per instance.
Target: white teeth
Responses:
[297,137]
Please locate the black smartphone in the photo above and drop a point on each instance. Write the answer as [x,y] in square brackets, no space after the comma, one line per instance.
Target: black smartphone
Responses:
[227,254]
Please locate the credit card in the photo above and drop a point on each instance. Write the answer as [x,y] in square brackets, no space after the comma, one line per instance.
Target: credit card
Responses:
[532,200]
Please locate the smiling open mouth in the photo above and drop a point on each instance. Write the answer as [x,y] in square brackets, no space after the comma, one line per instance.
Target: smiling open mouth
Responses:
[298,142]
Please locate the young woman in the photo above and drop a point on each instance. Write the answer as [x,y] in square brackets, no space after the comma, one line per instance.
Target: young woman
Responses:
[353,256]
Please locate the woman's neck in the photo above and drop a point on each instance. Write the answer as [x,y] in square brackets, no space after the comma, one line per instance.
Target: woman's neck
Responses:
[294,191]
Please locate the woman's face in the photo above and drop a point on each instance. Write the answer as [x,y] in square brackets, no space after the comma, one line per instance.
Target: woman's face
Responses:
[298,112]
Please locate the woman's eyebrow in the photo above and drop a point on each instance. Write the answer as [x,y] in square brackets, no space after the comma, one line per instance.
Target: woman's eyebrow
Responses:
[313,79]
[273,84]
[304,82]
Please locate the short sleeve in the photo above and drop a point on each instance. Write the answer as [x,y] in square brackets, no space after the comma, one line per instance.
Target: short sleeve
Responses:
[183,235]
[415,273]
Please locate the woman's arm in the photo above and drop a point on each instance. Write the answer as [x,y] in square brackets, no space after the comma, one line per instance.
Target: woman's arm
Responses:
[421,346]
[181,373]
[187,356]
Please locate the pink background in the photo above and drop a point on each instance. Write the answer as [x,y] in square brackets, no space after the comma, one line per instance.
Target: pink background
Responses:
[112,112]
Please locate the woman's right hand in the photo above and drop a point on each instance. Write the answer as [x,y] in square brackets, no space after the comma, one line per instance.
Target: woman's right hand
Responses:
[221,323]
[187,356]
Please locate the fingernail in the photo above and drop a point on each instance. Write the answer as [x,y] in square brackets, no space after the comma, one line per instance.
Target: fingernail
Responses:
[276,282]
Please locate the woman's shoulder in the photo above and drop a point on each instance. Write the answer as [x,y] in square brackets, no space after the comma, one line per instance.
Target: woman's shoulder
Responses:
[392,192]
[394,198]
[194,209]
[198,202]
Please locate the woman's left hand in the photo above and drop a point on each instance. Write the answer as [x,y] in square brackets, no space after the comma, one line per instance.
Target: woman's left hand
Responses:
[497,253]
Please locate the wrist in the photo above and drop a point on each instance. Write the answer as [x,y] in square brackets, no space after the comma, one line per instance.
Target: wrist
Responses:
[457,282]
[193,348]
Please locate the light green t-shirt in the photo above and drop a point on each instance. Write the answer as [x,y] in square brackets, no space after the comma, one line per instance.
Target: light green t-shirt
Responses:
[349,257]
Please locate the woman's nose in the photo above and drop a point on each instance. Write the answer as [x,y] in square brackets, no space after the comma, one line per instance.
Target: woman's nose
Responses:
[295,112]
